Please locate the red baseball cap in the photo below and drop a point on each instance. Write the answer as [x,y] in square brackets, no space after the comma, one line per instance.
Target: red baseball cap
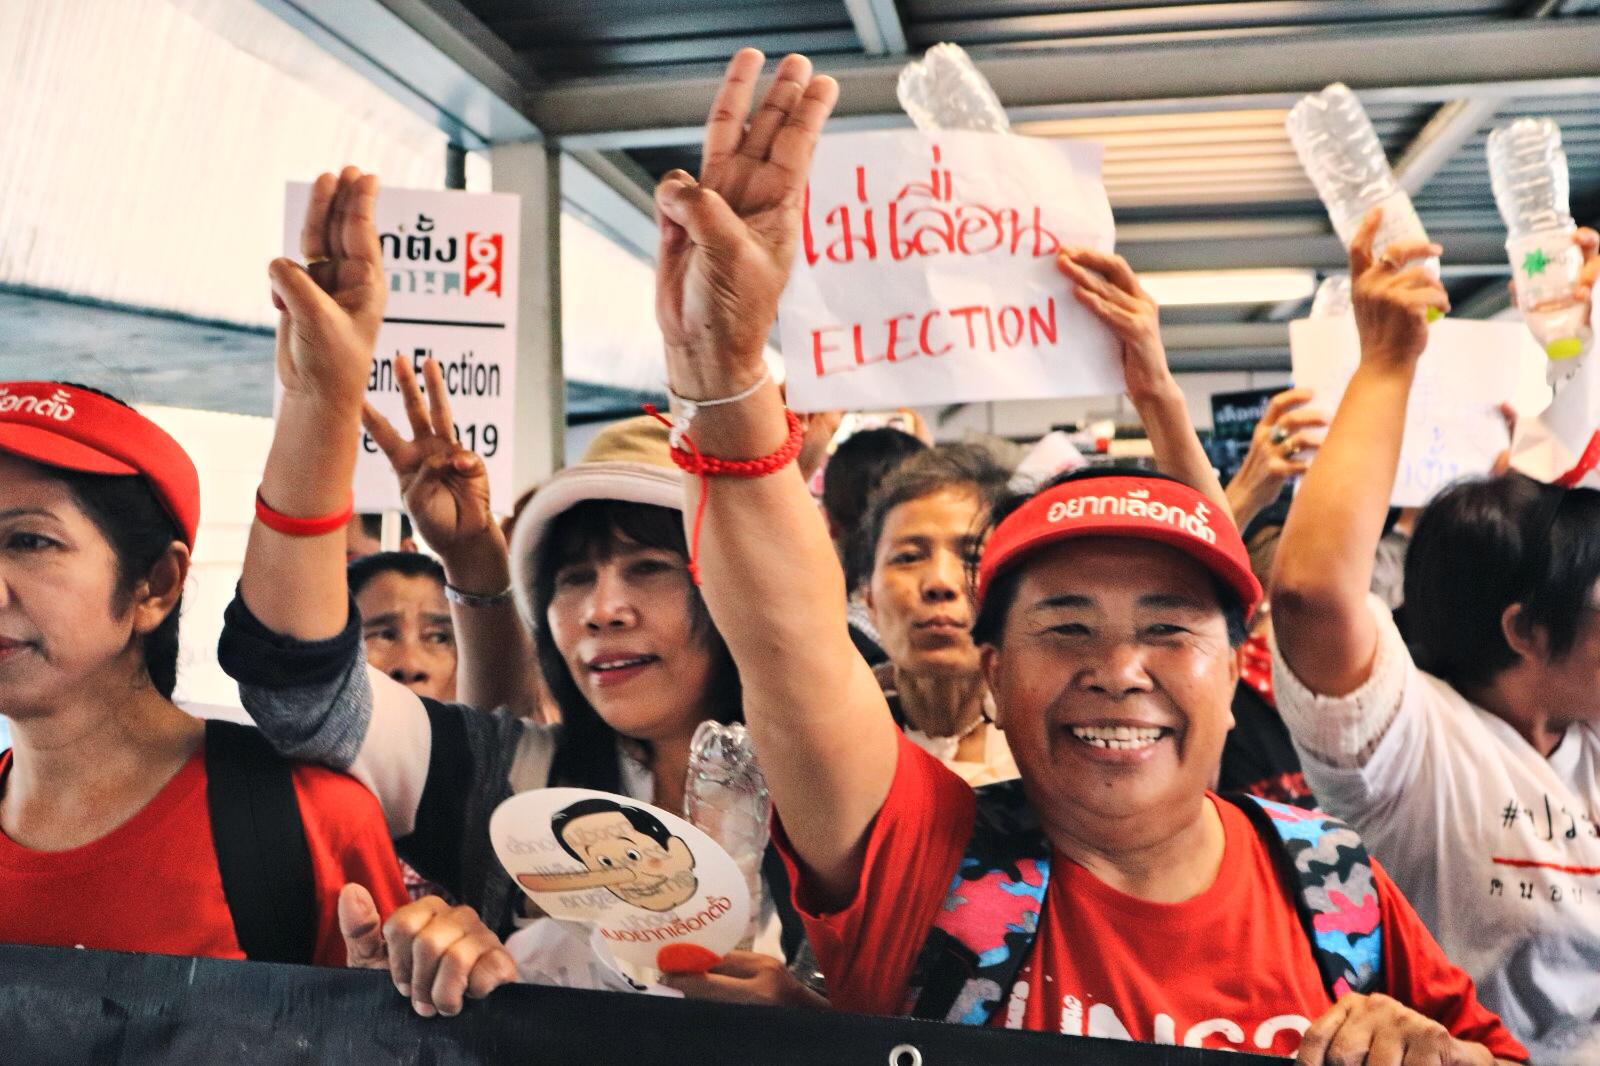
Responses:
[74,429]
[1145,508]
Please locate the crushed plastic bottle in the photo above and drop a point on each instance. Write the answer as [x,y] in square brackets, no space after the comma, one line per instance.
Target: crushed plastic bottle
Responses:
[945,91]
[725,796]
[1343,157]
[1333,297]
[1528,169]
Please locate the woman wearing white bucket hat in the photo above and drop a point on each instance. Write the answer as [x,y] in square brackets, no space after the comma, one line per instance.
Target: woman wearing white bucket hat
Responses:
[598,568]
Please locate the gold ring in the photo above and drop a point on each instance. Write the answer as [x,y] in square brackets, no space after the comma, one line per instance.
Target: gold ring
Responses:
[313,260]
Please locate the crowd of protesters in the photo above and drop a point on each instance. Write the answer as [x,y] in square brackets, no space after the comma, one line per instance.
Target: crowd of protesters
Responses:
[1216,795]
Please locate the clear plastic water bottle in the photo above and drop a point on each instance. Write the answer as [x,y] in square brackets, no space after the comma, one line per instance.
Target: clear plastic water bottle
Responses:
[945,91]
[725,796]
[1333,297]
[1529,171]
[1343,157]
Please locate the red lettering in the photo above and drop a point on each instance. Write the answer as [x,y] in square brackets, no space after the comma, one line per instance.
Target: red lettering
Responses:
[922,335]
[965,314]
[861,184]
[1041,326]
[843,250]
[889,347]
[1007,336]
[805,231]
[862,359]
[817,350]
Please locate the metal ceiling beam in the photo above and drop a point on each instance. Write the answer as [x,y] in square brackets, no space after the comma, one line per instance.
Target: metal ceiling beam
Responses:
[610,191]
[1451,126]
[1230,244]
[431,55]
[1120,76]
[1208,347]
[1488,301]
[878,24]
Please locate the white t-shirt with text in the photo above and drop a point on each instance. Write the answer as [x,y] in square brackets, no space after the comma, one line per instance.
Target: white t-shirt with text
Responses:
[1497,847]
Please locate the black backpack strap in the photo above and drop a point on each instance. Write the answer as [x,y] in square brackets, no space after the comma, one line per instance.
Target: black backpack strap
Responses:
[972,954]
[260,845]
[1329,874]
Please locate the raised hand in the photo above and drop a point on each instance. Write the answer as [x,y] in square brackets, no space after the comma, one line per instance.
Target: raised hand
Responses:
[1392,301]
[728,238]
[437,954]
[1284,442]
[444,485]
[1105,284]
[332,307]
[1588,242]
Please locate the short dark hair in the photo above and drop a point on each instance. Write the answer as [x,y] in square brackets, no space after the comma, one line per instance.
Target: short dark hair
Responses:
[407,564]
[991,620]
[126,512]
[372,525]
[1485,544]
[586,747]
[947,467]
[641,820]
[854,470]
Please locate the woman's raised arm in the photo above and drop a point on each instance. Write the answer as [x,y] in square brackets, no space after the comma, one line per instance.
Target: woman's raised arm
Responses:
[768,569]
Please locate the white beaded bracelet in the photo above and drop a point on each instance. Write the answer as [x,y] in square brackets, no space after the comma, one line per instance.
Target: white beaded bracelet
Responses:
[684,410]
[475,599]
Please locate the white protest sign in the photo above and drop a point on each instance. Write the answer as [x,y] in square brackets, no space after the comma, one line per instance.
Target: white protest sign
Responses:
[645,878]
[451,260]
[926,272]
[1454,427]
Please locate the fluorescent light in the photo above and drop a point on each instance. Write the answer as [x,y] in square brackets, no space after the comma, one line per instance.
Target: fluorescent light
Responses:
[1187,288]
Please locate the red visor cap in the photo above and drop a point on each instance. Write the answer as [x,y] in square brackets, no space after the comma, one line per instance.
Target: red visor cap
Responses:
[1144,508]
[73,429]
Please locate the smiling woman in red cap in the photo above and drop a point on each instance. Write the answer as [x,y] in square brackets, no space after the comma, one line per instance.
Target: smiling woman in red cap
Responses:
[125,823]
[1107,893]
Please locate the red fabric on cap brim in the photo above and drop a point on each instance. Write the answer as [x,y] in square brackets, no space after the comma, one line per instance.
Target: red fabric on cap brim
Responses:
[70,428]
[1141,508]
[51,449]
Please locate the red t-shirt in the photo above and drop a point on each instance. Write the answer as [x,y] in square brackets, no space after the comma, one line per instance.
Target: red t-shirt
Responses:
[152,884]
[1230,968]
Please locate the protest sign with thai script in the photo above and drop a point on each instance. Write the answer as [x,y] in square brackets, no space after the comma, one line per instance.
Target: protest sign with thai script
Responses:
[926,272]
[1454,427]
[451,262]
[643,877]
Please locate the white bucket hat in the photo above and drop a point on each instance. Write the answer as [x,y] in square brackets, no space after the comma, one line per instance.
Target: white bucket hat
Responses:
[628,461]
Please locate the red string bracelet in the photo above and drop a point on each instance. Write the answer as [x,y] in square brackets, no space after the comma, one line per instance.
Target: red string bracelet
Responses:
[706,467]
[303,527]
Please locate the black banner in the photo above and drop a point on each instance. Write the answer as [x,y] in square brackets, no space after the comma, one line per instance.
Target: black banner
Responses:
[78,1007]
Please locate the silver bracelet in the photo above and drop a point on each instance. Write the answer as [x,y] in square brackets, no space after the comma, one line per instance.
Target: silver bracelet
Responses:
[686,409]
[473,599]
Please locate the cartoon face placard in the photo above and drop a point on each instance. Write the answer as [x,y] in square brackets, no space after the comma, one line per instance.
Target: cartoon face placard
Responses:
[643,877]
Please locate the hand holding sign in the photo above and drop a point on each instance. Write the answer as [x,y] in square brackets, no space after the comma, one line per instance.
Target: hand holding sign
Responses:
[332,307]
[445,486]
[1106,285]
[1392,303]
[728,239]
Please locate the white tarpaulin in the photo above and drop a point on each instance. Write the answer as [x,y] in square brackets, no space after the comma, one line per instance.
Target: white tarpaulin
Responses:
[926,272]
[451,260]
[1454,427]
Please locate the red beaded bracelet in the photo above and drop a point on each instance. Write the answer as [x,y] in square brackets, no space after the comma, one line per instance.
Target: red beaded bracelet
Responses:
[706,467]
[303,527]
